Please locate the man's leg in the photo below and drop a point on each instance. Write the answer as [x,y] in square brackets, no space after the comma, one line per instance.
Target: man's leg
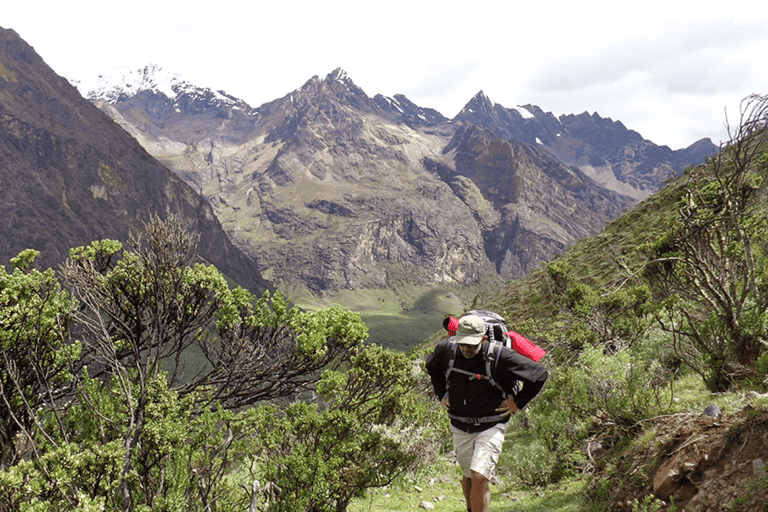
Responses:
[485,456]
[466,486]
[464,442]
[480,493]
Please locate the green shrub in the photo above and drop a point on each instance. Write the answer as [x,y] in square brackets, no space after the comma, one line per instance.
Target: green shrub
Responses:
[535,465]
[648,504]
[367,430]
[762,363]
[560,419]
[622,388]
[145,427]
[35,358]
[599,391]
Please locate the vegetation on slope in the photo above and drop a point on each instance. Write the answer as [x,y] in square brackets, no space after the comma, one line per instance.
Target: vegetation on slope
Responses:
[671,291]
[148,384]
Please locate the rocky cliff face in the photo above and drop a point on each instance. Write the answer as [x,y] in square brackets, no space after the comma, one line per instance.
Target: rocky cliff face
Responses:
[72,176]
[615,157]
[532,205]
[329,188]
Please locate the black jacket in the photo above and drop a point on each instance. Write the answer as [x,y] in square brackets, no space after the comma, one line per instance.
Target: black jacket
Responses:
[476,398]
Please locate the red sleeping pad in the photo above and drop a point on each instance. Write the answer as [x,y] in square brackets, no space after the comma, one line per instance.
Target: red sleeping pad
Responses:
[526,348]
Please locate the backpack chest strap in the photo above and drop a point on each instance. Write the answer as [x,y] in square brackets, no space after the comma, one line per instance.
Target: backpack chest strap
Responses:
[472,376]
[491,358]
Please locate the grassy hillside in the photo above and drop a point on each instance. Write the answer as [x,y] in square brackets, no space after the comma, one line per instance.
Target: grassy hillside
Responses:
[404,316]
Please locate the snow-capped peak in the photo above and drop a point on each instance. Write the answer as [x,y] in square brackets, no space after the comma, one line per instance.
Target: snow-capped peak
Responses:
[128,81]
[125,82]
[483,98]
[340,75]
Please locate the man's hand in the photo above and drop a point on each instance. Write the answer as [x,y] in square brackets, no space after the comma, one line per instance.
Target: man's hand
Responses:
[446,405]
[508,407]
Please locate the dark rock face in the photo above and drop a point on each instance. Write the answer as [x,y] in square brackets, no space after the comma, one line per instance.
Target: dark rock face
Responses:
[404,110]
[72,176]
[535,196]
[616,157]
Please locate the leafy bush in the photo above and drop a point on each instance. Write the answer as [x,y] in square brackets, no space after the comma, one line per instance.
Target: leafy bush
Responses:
[762,363]
[364,433]
[624,388]
[708,272]
[35,314]
[601,395]
[535,465]
[560,419]
[585,315]
[125,419]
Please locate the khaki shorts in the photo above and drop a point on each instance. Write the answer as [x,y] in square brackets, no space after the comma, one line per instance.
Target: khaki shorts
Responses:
[479,451]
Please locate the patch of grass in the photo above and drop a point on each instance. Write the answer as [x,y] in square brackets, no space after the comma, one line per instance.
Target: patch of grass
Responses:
[691,395]
[440,484]
[648,437]
[566,496]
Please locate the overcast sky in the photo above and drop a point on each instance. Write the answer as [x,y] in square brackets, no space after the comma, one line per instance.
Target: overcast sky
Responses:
[667,69]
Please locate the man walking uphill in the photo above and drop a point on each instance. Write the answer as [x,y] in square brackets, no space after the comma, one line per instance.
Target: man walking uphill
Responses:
[477,383]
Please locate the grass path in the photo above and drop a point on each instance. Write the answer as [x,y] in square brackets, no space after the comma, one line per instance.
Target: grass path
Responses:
[439,484]
[444,492]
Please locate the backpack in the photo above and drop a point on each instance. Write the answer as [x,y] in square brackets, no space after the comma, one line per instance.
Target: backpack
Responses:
[496,326]
[497,330]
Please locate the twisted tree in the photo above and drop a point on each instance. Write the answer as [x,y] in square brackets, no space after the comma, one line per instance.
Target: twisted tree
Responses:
[709,273]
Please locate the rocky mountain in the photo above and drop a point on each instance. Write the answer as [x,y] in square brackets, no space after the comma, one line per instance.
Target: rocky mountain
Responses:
[331,189]
[614,156]
[71,175]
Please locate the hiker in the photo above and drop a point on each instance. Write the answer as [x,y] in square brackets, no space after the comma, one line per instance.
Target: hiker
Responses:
[495,323]
[476,381]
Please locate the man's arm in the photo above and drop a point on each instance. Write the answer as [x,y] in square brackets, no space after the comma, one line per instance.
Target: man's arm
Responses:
[531,374]
[531,388]
[435,366]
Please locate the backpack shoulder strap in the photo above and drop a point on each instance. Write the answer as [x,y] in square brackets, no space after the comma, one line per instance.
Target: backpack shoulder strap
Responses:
[491,360]
[452,348]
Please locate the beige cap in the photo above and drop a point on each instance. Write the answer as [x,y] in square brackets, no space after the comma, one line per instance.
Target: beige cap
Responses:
[471,330]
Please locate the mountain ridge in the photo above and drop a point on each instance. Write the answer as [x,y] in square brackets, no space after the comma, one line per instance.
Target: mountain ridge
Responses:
[331,188]
[606,150]
[328,188]
[121,81]
[72,175]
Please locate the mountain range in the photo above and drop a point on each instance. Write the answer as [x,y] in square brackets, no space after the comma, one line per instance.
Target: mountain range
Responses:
[323,189]
[329,188]
[614,156]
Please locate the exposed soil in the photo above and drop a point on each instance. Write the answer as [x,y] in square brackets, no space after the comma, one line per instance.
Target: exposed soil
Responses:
[698,462]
